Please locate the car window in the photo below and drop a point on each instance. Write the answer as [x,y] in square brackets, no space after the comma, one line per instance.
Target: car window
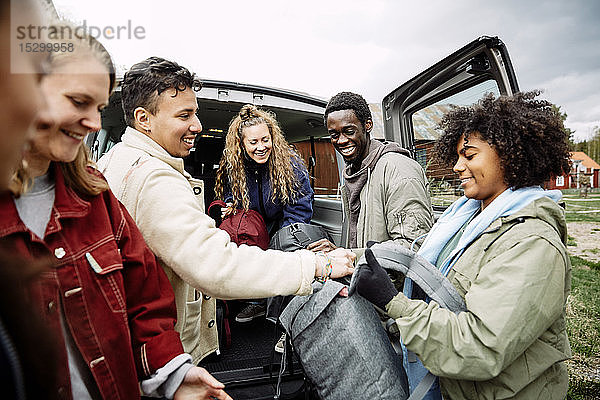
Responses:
[444,185]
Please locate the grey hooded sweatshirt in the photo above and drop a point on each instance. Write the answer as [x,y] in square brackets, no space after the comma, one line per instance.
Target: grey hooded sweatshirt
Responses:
[387,198]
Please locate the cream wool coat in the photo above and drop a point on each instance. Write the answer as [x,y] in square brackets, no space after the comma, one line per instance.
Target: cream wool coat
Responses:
[167,204]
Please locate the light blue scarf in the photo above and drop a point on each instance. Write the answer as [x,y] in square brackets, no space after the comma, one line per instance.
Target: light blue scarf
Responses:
[509,202]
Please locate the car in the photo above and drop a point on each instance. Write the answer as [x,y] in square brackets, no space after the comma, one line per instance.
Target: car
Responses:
[410,115]
[412,111]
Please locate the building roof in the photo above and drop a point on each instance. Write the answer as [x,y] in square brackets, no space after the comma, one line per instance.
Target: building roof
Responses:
[586,161]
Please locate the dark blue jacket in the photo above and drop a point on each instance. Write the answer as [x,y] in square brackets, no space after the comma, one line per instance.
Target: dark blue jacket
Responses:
[276,214]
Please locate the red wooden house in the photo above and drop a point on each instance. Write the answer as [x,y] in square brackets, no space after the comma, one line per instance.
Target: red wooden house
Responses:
[583,166]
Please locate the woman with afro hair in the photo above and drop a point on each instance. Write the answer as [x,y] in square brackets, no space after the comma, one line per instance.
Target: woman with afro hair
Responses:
[502,246]
[260,171]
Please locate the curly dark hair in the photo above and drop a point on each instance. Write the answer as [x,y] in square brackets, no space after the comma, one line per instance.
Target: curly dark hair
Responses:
[146,80]
[349,101]
[527,133]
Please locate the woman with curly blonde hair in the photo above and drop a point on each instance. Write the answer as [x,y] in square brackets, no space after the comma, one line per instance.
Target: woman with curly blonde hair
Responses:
[260,171]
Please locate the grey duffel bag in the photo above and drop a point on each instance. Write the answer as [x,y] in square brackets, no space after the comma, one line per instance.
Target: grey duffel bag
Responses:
[342,346]
[297,236]
[393,256]
[291,238]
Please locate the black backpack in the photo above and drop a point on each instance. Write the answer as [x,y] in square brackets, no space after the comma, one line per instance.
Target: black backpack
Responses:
[297,236]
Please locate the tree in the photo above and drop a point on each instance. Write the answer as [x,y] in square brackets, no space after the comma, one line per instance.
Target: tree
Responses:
[569,131]
[591,146]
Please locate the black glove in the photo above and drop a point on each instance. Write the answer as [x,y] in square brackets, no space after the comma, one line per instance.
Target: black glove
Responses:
[373,283]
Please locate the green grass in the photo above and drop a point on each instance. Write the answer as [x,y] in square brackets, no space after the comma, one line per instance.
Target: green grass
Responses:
[583,328]
[571,241]
[578,209]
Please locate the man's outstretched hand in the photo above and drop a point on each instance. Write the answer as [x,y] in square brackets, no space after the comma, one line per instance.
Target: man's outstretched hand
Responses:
[373,283]
[199,384]
[321,245]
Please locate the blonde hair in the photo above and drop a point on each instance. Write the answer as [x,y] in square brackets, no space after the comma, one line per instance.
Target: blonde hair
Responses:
[78,176]
[232,169]
[76,173]
[20,181]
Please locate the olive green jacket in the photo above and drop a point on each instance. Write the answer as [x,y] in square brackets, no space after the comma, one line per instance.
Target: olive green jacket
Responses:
[510,344]
[394,203]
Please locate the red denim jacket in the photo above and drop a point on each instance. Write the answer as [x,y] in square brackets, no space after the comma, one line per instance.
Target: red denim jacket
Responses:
[118,302]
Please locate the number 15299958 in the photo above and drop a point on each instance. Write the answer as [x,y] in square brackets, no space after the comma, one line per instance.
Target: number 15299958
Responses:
[43,47]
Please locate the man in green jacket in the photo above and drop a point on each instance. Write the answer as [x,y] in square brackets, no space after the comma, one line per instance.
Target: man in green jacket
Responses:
[385,192]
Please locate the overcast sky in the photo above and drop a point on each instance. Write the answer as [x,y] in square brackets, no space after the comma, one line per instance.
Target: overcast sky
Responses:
[322,47]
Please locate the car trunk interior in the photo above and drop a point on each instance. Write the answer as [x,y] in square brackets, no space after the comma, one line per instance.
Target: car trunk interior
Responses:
[215,117]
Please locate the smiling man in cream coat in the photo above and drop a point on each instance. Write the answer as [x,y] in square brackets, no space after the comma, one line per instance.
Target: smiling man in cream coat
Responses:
[145,171]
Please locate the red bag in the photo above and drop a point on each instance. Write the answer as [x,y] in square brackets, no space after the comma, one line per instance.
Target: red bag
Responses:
[244,227]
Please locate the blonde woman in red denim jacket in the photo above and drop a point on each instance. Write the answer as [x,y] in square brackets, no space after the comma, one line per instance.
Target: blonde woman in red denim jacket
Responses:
[107,301]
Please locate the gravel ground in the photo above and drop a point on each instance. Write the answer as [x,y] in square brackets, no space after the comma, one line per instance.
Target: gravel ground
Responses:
[587,238]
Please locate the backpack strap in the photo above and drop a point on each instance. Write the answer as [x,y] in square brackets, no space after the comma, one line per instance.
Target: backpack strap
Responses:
[214,211]
[396,257]
[423,387]
[300,235]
